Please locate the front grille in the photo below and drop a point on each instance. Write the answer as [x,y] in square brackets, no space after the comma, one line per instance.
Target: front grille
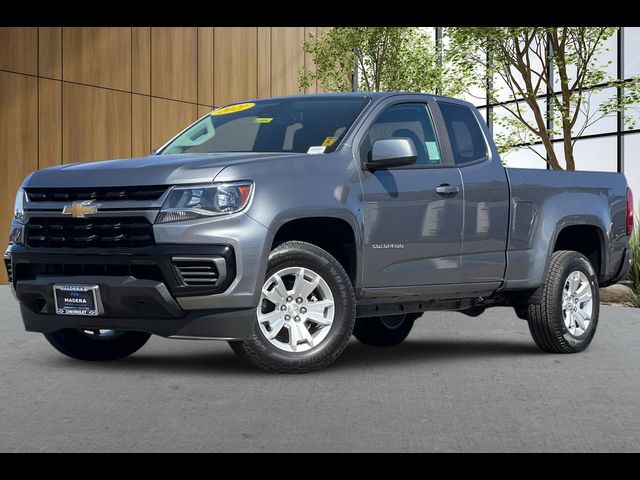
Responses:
[98,232]
[197,272]
[7,263]
[152,192]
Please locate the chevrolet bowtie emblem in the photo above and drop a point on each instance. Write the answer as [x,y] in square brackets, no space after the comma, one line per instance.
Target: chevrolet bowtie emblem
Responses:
[81,209]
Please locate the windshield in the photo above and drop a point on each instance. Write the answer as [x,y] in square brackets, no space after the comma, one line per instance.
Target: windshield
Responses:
[303,125]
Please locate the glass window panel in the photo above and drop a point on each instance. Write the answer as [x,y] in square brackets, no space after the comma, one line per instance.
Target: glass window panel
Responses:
[238,129]
[504,92]
[571,74]
[407,120]
[632,164]
[631,49]
[592,154]
[501,90]
[498,114]
[475,95]
[632,113]
[525,158]
[591,115]
[467,142]
[501,112]
[607,59]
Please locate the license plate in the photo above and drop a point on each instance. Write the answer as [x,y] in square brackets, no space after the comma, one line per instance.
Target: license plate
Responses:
[77,300]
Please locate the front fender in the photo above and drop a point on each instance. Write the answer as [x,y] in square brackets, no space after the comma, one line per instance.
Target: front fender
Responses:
[295,187]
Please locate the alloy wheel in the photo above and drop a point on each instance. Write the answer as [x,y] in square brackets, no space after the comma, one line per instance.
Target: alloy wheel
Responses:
[296,309]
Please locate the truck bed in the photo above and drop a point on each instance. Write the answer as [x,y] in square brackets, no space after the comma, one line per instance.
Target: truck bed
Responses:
[543,202]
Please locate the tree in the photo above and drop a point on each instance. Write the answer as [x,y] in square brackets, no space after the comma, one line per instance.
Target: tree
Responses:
[532,61]
[385,59]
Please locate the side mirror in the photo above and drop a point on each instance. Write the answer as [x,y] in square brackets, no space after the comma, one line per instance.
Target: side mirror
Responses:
[392,152]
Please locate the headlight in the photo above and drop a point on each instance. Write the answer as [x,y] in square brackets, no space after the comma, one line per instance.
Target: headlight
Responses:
[18,209]
[185,203]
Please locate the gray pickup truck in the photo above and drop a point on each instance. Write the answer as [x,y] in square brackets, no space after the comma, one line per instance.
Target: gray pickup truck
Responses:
[286,225]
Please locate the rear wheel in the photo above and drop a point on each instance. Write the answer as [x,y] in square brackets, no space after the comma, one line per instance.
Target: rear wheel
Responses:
[97,344]
[384,331]
[306,312]
[565,321]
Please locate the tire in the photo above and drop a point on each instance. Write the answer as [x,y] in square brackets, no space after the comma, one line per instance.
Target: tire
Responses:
[547,319]
[384,331]
[325,347]
[522,312]
[81,346]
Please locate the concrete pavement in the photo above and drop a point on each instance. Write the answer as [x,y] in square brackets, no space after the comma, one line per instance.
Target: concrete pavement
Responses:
[456,384]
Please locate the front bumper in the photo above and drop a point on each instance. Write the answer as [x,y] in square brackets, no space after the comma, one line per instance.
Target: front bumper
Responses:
[220,325]
[143,289]
[140,290]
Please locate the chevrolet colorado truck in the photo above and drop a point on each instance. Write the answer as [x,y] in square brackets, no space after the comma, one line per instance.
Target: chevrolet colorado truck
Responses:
[286,225]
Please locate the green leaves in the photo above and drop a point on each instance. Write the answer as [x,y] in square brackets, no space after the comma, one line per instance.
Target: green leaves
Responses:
[521,63]
[385,59]
[634,274]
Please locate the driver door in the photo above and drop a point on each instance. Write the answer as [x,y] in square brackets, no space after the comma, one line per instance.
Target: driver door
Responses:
[412,226]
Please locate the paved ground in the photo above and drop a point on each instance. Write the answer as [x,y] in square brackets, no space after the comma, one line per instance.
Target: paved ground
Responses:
[457,384]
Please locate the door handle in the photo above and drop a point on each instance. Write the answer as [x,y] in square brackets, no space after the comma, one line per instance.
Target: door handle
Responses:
[447,190]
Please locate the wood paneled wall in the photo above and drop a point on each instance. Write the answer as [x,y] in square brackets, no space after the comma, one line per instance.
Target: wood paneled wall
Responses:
[83,94]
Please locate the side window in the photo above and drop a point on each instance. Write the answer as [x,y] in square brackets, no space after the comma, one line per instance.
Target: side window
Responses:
[466,136]
[405,120]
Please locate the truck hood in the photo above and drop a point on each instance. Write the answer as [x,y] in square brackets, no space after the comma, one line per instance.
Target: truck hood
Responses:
[151,170]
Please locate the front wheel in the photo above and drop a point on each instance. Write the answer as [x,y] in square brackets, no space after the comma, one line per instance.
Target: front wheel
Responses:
[384,331]
[96,344]
[306,312]
[565,321]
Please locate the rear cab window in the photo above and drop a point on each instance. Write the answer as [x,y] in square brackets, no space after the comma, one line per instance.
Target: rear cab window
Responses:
[467,141]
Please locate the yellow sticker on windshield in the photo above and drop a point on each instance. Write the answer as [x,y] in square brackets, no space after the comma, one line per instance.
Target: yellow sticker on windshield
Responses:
[233,108]
[329,141]
[263,120]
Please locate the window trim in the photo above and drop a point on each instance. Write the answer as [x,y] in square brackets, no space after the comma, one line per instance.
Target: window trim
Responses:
[430,105]
[487,156]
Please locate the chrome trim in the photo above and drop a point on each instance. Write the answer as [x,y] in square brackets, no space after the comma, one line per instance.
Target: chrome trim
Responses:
[112,205]
[207,213]
[91,287]
[150,215]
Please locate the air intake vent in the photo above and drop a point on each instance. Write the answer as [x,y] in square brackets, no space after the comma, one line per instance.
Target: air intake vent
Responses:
[7,263]
[198,271]
[152,192]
